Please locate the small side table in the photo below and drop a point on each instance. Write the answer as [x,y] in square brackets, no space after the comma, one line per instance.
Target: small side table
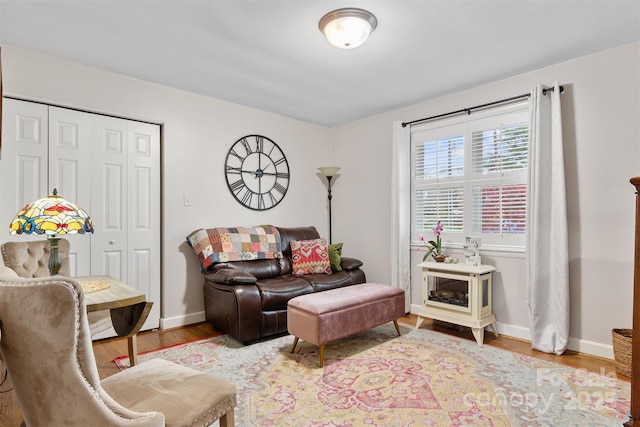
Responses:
[459,294]
[128,306]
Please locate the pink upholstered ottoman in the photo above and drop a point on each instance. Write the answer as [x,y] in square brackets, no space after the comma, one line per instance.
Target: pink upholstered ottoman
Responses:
[326,316]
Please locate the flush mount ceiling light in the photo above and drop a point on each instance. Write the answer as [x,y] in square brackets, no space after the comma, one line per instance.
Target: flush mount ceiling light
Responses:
[347,28]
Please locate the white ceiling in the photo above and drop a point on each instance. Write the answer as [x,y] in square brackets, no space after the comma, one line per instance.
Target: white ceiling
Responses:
[270,55]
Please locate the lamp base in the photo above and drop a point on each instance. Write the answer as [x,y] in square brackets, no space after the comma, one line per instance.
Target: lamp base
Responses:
[54,256]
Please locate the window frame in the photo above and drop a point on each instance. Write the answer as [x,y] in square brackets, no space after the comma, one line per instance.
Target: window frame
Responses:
[517,112]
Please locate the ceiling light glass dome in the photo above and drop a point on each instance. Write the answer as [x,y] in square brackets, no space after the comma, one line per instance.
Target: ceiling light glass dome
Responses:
[348,28]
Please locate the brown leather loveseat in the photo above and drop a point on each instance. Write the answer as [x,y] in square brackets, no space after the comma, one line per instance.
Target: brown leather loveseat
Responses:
[248,299]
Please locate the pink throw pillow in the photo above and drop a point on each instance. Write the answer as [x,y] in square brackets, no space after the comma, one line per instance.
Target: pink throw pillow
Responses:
[310,256]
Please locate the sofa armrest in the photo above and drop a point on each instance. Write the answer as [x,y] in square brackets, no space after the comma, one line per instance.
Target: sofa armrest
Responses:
[350,264]
[235,309]
[229,276]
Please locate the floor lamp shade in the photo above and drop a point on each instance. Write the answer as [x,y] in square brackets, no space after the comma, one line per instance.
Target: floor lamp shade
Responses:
[52,216]
[329,171]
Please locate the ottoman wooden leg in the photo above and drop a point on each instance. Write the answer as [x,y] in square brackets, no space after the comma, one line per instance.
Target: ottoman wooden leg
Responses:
[395,323]
[295,343]
[322,355]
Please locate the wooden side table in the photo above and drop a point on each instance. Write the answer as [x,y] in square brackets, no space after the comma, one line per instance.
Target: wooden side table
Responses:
[459,294]
[128,307]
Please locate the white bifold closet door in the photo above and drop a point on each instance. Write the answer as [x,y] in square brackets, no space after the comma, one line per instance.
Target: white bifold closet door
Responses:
[110,167]
[125,205]
[69,155]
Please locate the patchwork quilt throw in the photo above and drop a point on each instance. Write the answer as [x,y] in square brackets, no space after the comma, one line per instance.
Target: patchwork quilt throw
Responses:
[213,245]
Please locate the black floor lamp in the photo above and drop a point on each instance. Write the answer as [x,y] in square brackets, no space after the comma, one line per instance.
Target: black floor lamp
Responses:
[329,172]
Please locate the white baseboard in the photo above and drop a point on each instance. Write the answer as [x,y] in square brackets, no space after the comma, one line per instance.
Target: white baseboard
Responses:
[591,347]
[514,331]
[187,319]
[583,346]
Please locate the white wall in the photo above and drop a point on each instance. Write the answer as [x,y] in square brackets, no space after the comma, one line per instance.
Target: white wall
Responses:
[601,114]
[197,133]
[601,109]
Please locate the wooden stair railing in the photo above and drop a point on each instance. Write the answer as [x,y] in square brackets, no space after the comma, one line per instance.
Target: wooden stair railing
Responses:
[634,413]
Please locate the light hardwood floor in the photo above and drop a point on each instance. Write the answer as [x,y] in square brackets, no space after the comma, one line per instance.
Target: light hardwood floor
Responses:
[108,349]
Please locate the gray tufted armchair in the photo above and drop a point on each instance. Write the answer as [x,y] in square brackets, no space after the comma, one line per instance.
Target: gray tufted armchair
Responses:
[46,346]
[30,259]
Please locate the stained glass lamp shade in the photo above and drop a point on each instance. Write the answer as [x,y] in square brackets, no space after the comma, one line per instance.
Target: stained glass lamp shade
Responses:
[52,216]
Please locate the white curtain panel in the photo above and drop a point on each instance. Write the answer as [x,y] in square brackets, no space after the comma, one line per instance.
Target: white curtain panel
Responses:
[547,245]
[400,211]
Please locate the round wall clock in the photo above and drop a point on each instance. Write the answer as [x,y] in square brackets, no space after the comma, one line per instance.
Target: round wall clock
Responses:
[257,172]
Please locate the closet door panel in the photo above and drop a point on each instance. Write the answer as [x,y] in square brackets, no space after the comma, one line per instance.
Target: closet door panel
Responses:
[112,263]
[144,213]
[23,167]
[108,197]
[69,172]
[29,181]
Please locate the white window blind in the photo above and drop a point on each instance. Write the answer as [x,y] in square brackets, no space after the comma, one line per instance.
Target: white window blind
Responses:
[470,173]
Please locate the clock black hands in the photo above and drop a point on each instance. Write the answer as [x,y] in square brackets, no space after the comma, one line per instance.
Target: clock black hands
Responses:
[258,157]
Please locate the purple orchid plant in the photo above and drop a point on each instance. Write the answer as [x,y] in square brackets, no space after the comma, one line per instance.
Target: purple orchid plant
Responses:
[434,247]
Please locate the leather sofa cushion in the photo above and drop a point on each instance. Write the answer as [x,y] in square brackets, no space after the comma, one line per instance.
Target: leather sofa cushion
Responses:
[260,268]
[323,282]
[275,293]
[229,276]
[347,264]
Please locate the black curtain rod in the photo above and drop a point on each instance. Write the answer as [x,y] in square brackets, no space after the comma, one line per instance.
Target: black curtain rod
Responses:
[468,110]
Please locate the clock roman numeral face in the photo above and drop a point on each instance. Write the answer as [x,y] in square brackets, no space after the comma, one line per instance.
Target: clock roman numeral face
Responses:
[257,172]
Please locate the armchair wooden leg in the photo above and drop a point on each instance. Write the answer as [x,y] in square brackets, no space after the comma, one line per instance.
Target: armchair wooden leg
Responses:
[295,343]
[132,346]
[227,420]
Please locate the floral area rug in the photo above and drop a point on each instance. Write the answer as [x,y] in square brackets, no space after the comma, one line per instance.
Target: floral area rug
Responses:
[423,378]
